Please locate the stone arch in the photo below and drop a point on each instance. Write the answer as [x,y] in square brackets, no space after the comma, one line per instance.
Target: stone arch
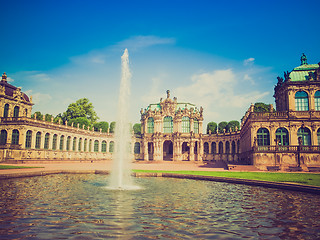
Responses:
[3,137]
[104,146]
[136,149]
[38,140]
[6,110]
[46,141]
[54,141]
[150,150]
[96,146]
[167,150]
[15,137]
[206,147]
[220,148]
[28,139]
[263,137]
[304,134]
[213,147]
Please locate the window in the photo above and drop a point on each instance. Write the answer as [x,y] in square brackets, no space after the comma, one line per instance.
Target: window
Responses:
[213,147]
[3,137]
[263,137]
[206,147]
[85,145]
[301,101]
[96,146]
[16,112]
[227,147]
[54,142]
[136,148]
[79,145]
[282,136]
[150,125]
[196,125]
[90,145]
[220,147]
[46,141]
[104,146]
[68,143]
[61,142]
[28,138]
[305,135]
[233,148]
[185,124]
[74,144]
[38,140]
[111,147]
[6,111]
[317,101]
[167,125]
[15,137]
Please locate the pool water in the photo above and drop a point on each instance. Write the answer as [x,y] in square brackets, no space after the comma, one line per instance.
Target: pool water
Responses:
[79,206]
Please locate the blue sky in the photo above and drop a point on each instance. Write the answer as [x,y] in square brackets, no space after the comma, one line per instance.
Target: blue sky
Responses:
[222,55]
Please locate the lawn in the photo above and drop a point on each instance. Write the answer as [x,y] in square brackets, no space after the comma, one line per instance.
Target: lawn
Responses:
[301,178]
[14,167]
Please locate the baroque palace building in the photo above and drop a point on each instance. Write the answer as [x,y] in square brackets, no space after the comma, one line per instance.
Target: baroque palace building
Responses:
[171,131]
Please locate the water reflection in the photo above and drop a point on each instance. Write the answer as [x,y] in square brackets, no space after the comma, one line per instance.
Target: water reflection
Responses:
[79,206]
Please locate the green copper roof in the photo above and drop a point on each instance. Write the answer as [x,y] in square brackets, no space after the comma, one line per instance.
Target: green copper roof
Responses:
[182,106]
[301,73]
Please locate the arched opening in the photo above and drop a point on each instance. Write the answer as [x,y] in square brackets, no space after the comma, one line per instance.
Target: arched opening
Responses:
[233,148]
[305,135]
[220,148]
[150,150]
[15,137]
[301,101]
[16,111]
[28,139]
[185,151]
[167,150]
[206,147]
[68,143]
[80,145]
[54,142]
[61,142]
[317,101]
[96,146]
[38,140]
[6,111]
[46,141]
[263,137]
[90,145]
[318,136]
[213,148]
[103,146]
[74,144]
[111,147]
[85,145]
[227,147]
[136,149]
[150,125]
[3,137]
[282,136]
[185,124]
[167,124]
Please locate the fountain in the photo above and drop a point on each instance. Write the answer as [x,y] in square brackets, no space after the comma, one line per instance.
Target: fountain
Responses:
[121,169]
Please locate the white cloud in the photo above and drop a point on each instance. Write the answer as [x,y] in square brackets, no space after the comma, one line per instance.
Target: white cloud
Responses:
[39,98]
[248,61]
[9,79]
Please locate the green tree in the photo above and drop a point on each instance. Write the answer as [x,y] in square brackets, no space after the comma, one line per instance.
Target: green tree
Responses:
[83,121]
[56,119]
[221,126]
[81,108]
[48,117]
[212,126]
[38,114]
[103,125]
[261,107]
[234,124]
[112,127]
[137,128]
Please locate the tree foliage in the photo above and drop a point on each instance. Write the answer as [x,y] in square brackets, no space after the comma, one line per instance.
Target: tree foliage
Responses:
[221,126]
[38,114]
[233,125]
[261,107]
[81,108]
[104,126]
[112,127]
[82,121]
[137,128]
[212,126]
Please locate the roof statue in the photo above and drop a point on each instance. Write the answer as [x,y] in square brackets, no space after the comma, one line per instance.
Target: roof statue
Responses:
[4,77]
[303,59]
[168,93]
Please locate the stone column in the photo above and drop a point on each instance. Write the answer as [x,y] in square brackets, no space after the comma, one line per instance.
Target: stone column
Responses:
[145,151]
[191,125]
[191,151]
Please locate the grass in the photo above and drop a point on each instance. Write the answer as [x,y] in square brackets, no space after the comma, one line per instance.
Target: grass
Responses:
[3,167]
[300,178]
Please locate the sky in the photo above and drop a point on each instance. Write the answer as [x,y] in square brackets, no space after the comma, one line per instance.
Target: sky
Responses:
[221,55]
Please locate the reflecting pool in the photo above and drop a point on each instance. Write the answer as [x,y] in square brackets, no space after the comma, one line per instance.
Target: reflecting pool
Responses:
[78,206]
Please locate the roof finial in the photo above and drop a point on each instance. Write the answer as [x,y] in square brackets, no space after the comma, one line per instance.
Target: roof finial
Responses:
[303,59]
[168,93]
[4,77]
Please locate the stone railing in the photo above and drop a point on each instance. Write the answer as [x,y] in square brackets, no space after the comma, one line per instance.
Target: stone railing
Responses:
[302,149]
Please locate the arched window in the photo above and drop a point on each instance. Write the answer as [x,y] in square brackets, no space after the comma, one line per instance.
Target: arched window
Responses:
[46,141]
[220,147]
[79,144]
[233,147]
[68,143]
[150,125]
[263,137]
[111,147]
[6,111]
[85,145]
[15,137]
[28,138]
[305,135]
[16,111]
[301,100]
[282,135]
[185,124]
[38,140]
[61,142]
[227,147]
[3,137]
[54,142]
[213,147]
[167,125]
[206,147]
[136,147]
[317,101]
[104,146]
[318,135]
[90,145]
[195,126]
[96,146]
[74,144]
